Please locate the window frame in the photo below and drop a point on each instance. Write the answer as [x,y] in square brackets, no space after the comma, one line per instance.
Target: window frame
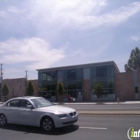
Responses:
[24,100]
[13,101]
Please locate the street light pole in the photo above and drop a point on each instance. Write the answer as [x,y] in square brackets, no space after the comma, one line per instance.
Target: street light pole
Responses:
[1,74]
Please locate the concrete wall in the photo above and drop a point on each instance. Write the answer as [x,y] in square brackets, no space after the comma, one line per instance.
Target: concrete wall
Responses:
[124,86]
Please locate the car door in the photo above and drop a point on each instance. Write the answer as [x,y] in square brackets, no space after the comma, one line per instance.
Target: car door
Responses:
[11,111]
[26,115]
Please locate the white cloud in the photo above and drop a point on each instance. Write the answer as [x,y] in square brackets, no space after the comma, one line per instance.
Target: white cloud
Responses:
[45,15]
[36,52]
[80,14]
[135,38]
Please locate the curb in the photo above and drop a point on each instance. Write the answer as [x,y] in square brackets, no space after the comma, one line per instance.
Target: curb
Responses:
[98,103]
[108,112]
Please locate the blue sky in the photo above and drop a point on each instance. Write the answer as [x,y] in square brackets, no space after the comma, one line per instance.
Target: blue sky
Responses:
[37,34]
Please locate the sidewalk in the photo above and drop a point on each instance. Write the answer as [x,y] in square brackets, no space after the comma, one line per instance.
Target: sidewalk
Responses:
[105,112]
[97,103]
[109,112]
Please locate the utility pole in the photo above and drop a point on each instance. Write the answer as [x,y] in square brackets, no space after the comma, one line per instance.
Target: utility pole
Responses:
[1,78]
[26,74]
[26,77]
[1,70]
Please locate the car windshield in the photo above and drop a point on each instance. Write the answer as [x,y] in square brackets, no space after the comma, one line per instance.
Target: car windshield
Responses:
[41,102]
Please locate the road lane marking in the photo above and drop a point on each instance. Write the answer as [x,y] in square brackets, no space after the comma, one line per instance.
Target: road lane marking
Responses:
[99,128]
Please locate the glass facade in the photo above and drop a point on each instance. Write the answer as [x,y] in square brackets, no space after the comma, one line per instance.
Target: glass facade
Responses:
[47,84]
[104,75]
[78,82]
[72,80]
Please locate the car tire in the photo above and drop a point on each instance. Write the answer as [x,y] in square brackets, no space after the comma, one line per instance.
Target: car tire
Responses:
[3,120]
[47,124]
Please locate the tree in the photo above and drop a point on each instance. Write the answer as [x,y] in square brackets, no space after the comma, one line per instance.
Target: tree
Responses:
[98,89]
[29,89]
[5,90]
[60,90]
[134,60]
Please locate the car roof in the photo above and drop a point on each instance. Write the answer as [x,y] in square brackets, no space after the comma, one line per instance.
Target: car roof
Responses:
[26,97]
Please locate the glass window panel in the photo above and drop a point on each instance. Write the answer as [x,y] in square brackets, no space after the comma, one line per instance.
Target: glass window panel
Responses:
[93,72]
[101,71]
[104,83]
[71,74]
[79,85]
[43,76]
[72,85]
[110,84]
[111,91]
[48,87]
[136,90]
[79,92]
[79,73]
[105,93]
[46,95]
[40,84]
[53,87]
[73,93]
[65,85]
[53,93]
[65,75]
[110,71]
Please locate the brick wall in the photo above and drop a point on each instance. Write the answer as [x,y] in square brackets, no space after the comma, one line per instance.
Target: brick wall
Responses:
[124,86]
[16,87]
[35,84]
[138,75]
[86,90]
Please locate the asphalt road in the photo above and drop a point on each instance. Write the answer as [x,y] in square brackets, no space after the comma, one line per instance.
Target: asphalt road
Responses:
[87,128]
[103,107]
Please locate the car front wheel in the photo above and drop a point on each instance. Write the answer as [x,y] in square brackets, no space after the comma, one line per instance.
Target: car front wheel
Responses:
[47,124]
[3,120]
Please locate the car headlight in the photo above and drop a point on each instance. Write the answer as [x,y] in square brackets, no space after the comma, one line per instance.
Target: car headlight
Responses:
[62,115]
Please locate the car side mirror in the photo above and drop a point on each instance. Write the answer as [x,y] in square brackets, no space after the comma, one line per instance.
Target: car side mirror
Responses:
[30,106]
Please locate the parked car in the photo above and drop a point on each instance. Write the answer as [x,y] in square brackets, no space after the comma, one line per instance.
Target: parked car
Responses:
[36,111]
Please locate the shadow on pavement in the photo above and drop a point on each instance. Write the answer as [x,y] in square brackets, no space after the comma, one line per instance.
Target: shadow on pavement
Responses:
[38,130]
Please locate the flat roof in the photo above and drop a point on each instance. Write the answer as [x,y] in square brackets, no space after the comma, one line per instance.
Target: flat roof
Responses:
[81,66]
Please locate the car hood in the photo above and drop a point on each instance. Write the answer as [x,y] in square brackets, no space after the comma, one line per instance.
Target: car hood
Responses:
[57,109]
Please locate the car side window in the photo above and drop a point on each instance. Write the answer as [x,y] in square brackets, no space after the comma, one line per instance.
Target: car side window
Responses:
[24,103]
[13,103]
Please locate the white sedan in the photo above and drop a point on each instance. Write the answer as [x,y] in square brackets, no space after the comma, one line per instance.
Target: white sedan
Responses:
[36,111]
